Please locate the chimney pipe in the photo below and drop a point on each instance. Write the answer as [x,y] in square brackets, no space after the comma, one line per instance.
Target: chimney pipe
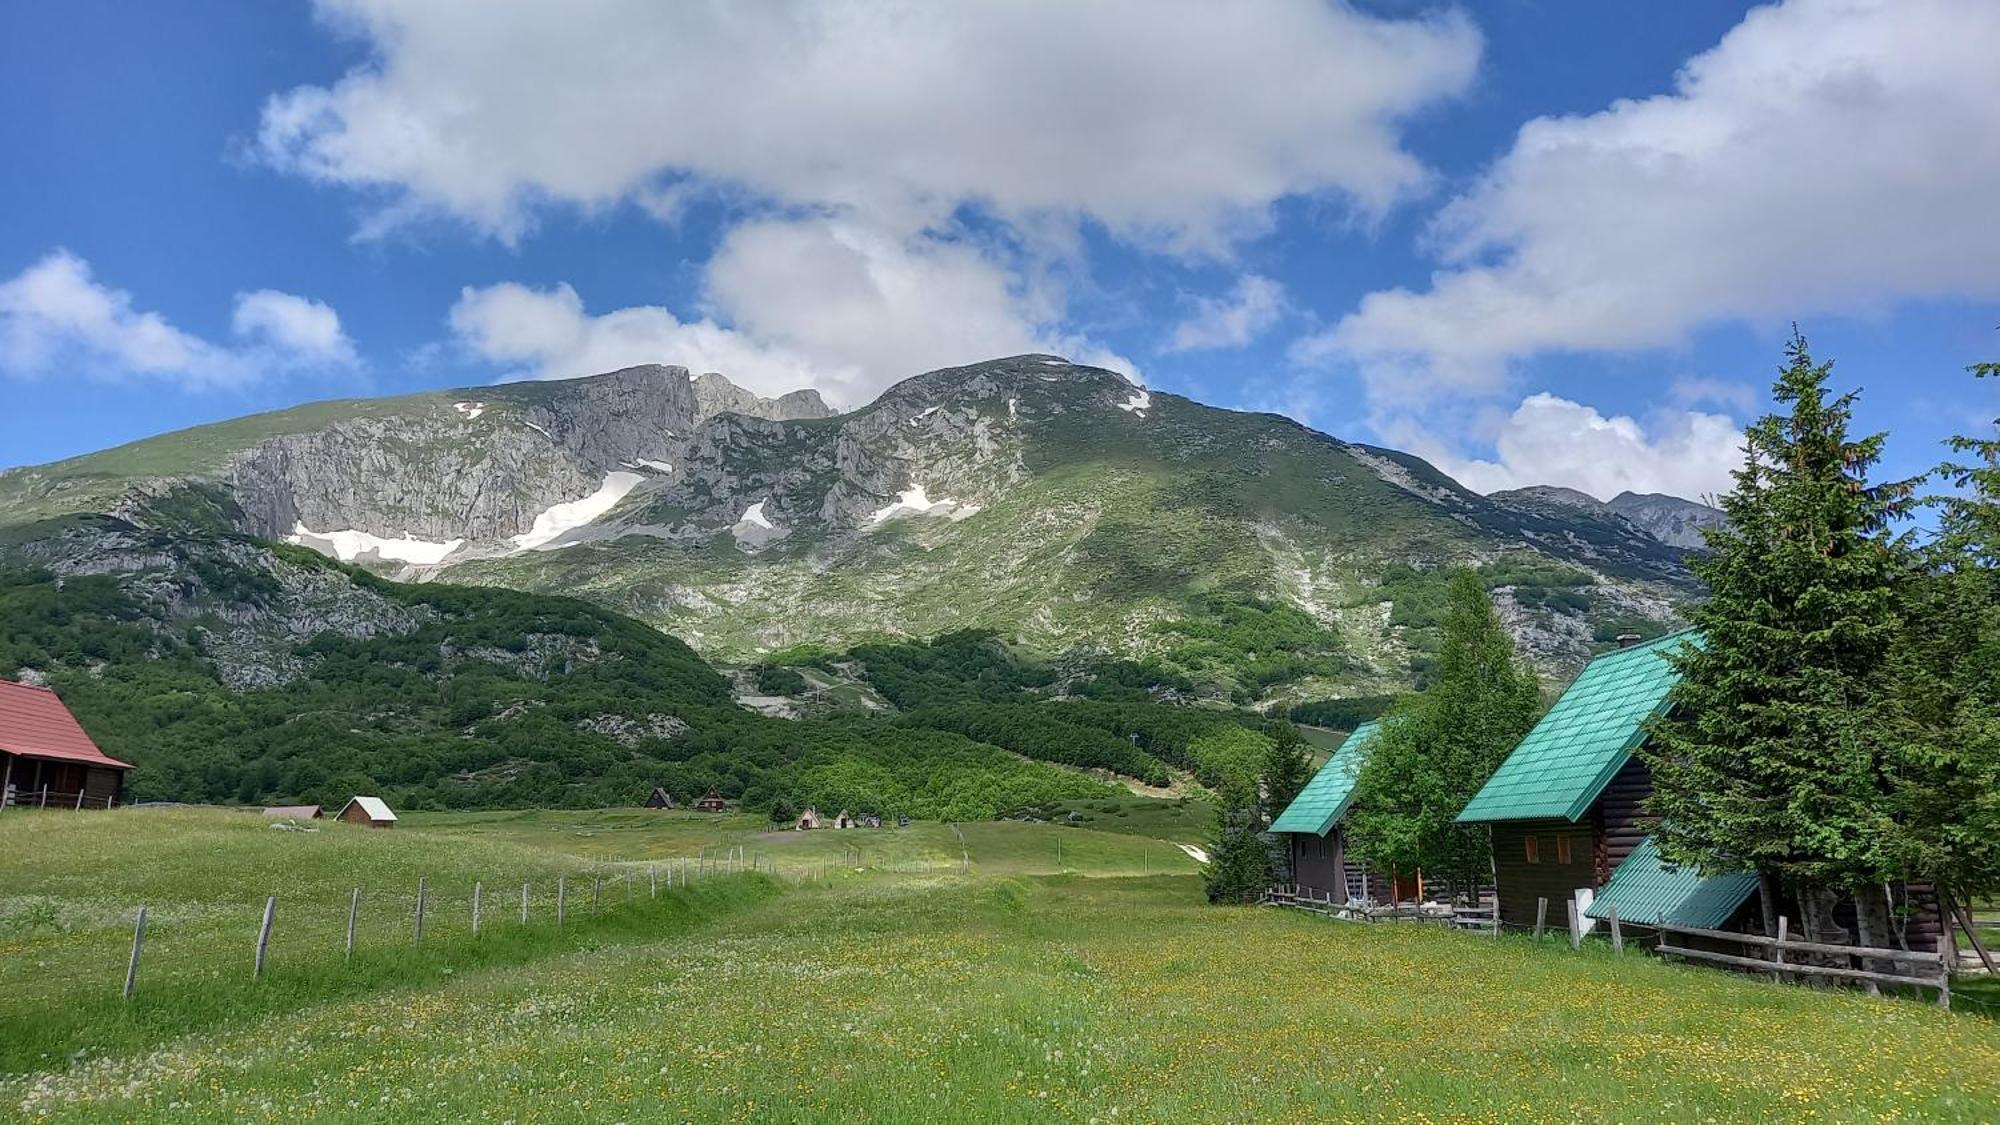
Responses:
[1627,640]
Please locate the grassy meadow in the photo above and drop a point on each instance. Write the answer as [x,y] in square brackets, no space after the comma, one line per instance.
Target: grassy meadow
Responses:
[897,983]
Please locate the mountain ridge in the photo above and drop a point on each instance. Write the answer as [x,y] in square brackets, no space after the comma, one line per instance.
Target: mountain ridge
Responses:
[1062,505]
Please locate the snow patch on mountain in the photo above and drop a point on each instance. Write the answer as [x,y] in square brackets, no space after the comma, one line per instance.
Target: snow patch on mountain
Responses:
[348,545]
[656,466]
[754,529]
[566,517]
[471,410]
[1139,403]
[914,501]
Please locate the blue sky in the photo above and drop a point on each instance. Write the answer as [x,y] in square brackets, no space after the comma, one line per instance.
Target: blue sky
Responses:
[1536,241]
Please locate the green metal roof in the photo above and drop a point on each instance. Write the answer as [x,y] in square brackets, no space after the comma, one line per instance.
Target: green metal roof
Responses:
[1320,804]
[1571,755]
[1647,889]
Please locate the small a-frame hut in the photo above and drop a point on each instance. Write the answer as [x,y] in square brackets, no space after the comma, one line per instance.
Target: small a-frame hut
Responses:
[1314,831]
[711,801]
[371,811]
[661,799]
[844,820]
[807,821]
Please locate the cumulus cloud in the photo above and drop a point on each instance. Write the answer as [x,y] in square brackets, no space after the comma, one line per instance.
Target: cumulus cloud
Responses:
[56,318]
[1233,320]
[1825,156]
[1551,440]
[816,303]
[1129,112]
[297,325]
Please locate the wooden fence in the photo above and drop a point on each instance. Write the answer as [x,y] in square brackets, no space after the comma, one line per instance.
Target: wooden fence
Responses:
[46,798]
[1786,958]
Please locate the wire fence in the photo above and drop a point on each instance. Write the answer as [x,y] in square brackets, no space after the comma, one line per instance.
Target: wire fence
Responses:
[95,949]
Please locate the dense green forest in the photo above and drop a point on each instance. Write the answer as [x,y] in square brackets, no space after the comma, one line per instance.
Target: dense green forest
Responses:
[493,698]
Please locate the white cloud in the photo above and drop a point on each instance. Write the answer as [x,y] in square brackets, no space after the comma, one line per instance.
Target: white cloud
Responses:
[1231,321]
[1825,156]
[1551,440]
[1131,112]
[301,326]
[813,302]
[55,318]
[549,332]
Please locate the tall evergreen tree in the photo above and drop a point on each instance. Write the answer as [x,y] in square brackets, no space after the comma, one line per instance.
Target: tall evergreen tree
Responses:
[1945,709]
[1436,748]
[1287,768]
[1772,757]
[1239,862]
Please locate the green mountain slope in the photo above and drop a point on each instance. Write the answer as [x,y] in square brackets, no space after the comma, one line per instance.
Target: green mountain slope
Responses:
[1059,506]
[232,670]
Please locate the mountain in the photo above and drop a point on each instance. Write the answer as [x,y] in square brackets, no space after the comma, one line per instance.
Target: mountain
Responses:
[1059,505]
[1669,519]
[394,479]
[230,669]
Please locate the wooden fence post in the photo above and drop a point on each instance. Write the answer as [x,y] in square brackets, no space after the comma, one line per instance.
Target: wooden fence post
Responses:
[476,887]
[353,910]
[596,885]
[138,943]
[524,904]
[1541,915]
[653,874]
[1778,950]
[1575,926]
[1617,935]
[1946,954]
[422,886]
[561,894]
[264,936]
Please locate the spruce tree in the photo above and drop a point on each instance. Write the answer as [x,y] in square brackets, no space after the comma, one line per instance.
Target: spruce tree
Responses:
[1945,709]
[1287,768]
[1436,748]
[1239,861]
[1772,757]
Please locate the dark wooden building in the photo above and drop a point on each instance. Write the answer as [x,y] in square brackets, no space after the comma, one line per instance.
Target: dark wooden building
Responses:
[712,801]
[1316,838]
[46,759]
[660,799]
[1565,807]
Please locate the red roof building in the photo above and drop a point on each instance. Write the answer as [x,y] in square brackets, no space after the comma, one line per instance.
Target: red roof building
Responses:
[47,759]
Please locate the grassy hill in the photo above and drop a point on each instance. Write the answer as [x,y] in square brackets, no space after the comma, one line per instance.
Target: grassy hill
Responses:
[908,989]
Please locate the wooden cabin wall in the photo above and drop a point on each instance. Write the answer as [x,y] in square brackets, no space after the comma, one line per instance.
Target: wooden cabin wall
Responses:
[1522,882]
[1617,820]
[1316,862]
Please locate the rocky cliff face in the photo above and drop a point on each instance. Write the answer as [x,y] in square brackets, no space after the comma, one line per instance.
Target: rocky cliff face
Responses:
[1061,505]
[1669,519]
[470,466]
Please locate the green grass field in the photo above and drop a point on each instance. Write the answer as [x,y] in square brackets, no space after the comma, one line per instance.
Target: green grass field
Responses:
[1028,986]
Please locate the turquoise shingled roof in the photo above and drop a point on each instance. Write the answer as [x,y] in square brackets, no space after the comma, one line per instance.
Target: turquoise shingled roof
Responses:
[1566,761]
[1325,797]
[1647,889]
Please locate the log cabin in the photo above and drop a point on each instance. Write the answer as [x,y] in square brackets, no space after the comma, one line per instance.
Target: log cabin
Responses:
[46,759]
[1568,820]
[1566,807]
[1316,836]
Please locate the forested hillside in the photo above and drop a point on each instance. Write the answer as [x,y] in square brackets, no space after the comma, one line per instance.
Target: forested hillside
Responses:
[232,670]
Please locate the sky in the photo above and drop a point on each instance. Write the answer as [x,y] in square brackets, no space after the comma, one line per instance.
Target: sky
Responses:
[1536,241]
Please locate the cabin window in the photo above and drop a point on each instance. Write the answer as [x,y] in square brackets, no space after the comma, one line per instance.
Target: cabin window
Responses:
[1562,849]
[1534,850]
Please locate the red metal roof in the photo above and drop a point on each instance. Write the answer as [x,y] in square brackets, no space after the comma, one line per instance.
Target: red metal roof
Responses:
[34,723]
